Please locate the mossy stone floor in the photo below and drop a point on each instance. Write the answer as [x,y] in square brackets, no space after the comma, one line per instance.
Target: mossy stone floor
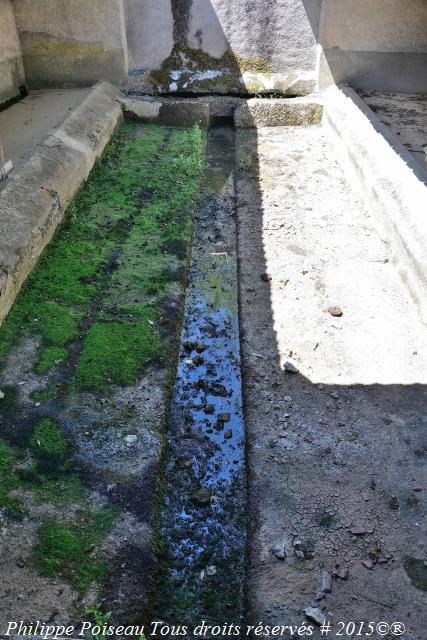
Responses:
[87,355]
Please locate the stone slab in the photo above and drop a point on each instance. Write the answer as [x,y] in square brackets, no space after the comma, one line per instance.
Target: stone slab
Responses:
[177,112]
[33,204]
[278,112]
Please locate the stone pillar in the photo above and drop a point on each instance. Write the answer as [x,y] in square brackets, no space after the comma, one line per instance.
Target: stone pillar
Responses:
[72,42]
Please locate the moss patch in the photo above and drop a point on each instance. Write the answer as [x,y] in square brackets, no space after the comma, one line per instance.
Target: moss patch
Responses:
[95,304]
[104,273]
[48,443]
[8,504]
[116,352]
[66,550]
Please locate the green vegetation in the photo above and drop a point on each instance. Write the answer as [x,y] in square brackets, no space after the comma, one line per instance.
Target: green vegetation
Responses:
[116,352]
[66,550]
[103,276]
[48,443]
[8,504]
[97,295]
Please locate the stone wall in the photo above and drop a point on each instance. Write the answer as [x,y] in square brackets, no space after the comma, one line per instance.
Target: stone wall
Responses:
[11,66]
[375,44]
[223,46]
[72,42]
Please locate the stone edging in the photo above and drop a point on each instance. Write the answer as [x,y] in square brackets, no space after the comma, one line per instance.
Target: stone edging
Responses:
[33,203]
[392,183]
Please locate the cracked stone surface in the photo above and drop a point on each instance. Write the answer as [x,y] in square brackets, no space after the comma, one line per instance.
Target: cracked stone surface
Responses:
[339,446]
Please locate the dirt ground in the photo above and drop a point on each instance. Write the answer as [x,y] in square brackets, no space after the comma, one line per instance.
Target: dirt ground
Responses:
[335,398]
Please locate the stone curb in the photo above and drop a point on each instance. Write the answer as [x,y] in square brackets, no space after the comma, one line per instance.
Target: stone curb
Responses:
[33,203]
[163,111]
[392,183]
[279,112]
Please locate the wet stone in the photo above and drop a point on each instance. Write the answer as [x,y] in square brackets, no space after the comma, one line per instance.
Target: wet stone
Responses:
[201,497]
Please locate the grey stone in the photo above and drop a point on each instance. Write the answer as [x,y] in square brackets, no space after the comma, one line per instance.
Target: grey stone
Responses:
[326,584]
[279,551]
[278,112]
[33,204]
[315,614]
[201,497]
[289,367]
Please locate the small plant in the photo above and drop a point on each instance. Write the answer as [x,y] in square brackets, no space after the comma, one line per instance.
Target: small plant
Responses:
[100,618]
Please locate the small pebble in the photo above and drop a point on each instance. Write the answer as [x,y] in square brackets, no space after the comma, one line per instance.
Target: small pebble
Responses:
[335,311]
[279,552]
[368,564]
[289,367]
[315,615]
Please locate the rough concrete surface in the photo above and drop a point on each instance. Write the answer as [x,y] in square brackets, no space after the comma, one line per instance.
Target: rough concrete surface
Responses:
[224,47]
[33,203]
[392,183]
[12,75]
[374,44]
[25,124]
[72,43]
[406,115]
[142,16]
[278,112]
[335,375]
[179,113]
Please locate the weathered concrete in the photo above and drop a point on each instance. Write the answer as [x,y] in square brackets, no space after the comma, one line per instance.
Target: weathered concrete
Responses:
[32,205]
[406,115]
[149,29]
[72,43]
[223,47]
[340,444]
[374,44]
[392,182]
[12,75]
[25,124]
[278,113]
[163,111]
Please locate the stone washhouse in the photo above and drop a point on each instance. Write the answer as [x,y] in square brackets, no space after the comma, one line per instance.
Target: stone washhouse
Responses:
[213,309]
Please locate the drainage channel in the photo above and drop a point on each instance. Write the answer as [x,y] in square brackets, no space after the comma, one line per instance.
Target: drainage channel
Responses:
[203,527]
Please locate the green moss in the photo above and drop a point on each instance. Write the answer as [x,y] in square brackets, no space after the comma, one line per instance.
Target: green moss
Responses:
[46,395]
[8,504]
[48,443]
[66,550]
[49,357]
[103,276]
[197,60]
[61,491]
[159,77]
[116,352]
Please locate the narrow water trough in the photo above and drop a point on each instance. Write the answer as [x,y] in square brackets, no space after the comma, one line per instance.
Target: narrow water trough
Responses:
[203,530]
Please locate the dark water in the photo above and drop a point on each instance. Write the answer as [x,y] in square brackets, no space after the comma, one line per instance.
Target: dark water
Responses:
[203,529]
